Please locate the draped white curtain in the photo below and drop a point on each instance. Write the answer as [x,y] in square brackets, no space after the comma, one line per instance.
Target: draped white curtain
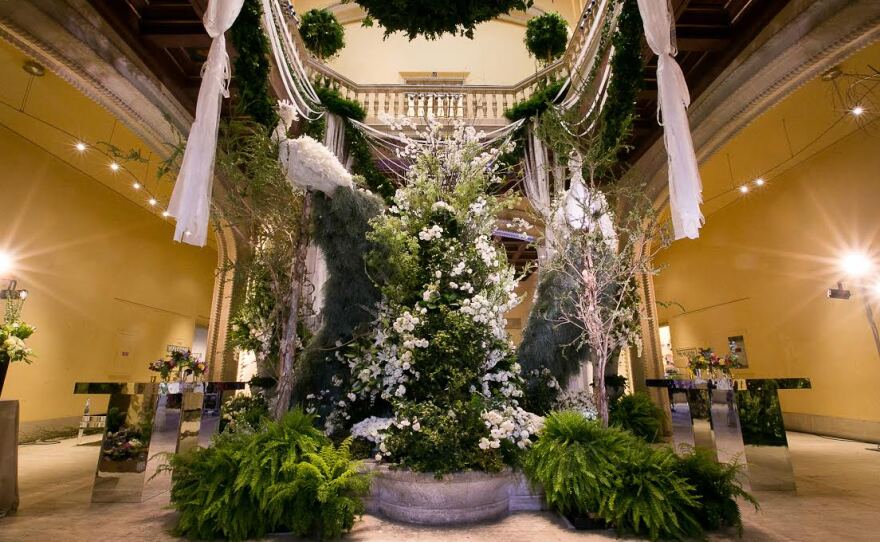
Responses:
[685,187]
[334,138]
[540,173]
[191,200]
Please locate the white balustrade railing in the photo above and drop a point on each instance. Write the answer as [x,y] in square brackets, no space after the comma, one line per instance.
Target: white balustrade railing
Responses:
[480,104]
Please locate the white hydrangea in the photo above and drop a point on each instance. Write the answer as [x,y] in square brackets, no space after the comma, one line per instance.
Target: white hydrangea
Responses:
[442,205]
[428,234]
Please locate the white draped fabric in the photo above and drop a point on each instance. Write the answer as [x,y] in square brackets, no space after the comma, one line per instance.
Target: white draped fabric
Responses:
[537,186]
[583,208]
[316,269]
[191,200]
[334,138]
[685,187]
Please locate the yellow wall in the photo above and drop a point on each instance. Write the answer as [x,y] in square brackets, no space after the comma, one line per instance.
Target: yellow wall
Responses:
[763,261]
[104,278]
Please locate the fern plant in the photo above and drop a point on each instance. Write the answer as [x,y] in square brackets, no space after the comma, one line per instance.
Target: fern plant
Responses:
[718,487]
[322,494]
[649,497]
[574,460]
[205,494]
[637,414]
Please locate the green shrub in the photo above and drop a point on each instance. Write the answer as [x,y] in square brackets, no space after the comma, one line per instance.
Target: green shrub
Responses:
[535,104]
[574,460]
[637,414]
[286,477]
[649,497]
[204,492]
[244,413]
[717,488]
[321,33]
[547,37]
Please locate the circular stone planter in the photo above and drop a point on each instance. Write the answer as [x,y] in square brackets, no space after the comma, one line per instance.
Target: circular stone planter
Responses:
[463,497]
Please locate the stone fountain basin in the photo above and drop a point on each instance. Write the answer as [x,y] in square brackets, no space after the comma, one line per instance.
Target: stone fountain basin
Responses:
[457,498]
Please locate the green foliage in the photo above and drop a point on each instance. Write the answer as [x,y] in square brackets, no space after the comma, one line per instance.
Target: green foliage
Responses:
[574,460]
[626,81]
[244,413]
[637,414]
[717,487]
[205,493]
[649,497]
[252,65]
[541,391]
[340,224]
[329,486]
[321,33]
[334,102]
[535,104]
[547,37]
[586,469]
[433,19]
[286,477]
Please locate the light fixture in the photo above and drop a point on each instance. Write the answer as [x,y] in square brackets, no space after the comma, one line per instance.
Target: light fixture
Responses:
[839,293]
[7,263]
[80,146]
[187,233]
[152,201]
[744,189]
[114,166]
[34,68]
[856,264]
[858,111]
[166,214]
[136,185]
[760,181]
[12,292]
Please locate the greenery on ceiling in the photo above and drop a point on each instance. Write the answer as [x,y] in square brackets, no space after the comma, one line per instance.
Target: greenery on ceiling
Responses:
[362,161]
[251,69]
[431,18]
[321,33]
[547,37]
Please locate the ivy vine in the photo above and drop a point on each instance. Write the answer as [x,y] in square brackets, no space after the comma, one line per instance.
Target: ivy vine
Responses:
[252,65]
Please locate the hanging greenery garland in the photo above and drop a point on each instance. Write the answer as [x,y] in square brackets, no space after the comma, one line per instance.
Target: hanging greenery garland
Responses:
[252,65]
[321,33]
[547,37]
[431,18]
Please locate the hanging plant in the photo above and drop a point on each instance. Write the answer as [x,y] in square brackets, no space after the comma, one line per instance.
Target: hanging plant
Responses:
[321,33]
[432,19]
[251,71]
[547,37]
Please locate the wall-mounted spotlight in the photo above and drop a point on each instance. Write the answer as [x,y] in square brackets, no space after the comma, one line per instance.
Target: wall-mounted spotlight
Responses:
[839,293]
[12,292]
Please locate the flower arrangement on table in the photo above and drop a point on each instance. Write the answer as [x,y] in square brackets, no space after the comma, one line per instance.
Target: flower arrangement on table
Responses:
[185,364]
[715,365]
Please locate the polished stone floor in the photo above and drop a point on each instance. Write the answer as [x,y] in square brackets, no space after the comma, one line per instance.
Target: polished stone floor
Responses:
[838,499]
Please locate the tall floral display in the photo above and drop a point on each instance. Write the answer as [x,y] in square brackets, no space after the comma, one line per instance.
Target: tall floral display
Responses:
[439,359]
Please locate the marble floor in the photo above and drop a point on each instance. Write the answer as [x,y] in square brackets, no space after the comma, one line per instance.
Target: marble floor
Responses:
[838,499]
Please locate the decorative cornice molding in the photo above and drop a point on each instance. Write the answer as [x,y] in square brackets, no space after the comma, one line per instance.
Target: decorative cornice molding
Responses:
[804,40]
[75,43]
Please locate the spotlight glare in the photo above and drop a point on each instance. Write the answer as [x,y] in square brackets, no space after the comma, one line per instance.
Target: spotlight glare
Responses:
[152,201]
[187,233]
[7,263]
[744,189]
[80,146]
[858,110]
[114,166]
[166,214]
[875,288]
[760,181]
[136,185]
[856,264]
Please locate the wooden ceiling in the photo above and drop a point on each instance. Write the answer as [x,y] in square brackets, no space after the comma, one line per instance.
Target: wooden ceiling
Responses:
[168,36]
[710,34]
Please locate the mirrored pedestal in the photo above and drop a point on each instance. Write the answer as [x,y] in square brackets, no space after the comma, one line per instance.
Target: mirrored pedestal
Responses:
[740,420]
[145,421]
